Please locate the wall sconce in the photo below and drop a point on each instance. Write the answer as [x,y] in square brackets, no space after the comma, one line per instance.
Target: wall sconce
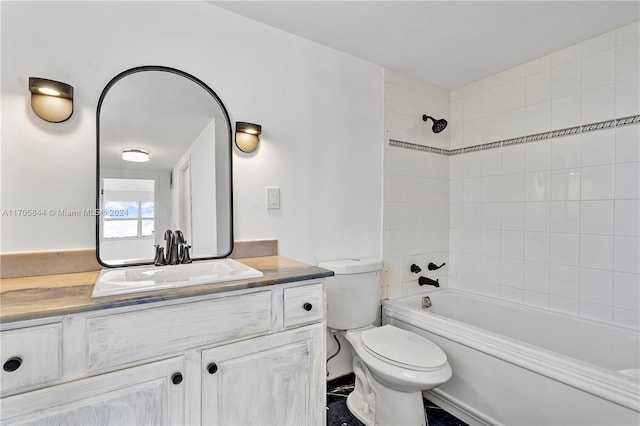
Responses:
[247,136]
[135,155]
[51,100]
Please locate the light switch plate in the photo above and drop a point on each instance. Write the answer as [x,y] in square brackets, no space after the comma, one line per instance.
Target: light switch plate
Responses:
[273,198]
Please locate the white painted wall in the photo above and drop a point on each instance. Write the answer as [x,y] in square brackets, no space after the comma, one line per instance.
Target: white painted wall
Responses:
[321,112]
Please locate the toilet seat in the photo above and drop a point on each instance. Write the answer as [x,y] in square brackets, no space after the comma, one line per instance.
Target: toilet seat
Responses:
[403,348]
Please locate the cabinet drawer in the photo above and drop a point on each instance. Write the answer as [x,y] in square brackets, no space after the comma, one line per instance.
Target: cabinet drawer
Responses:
[30,357]
[303,305]
[131,337]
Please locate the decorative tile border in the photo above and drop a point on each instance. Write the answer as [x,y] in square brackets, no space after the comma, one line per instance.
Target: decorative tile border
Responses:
[592,127]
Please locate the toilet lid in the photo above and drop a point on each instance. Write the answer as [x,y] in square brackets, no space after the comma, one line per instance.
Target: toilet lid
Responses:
[403,348]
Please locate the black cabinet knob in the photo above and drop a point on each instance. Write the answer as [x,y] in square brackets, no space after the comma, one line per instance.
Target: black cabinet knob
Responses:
[307,306]
[12,364]
[176,379]
[212,368]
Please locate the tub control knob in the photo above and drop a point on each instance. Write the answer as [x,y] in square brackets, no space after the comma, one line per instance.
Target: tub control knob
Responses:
[307,306]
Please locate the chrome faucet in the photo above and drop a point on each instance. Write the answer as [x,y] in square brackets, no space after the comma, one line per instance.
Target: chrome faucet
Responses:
[177,249]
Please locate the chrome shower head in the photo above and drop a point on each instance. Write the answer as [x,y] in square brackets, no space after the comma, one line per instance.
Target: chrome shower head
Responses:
[438,125]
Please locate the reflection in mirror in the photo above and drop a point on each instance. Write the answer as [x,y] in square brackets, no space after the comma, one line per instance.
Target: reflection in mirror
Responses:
[164,162]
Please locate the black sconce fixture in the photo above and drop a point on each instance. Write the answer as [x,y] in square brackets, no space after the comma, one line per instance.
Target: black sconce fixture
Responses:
[51,100]
[247,136]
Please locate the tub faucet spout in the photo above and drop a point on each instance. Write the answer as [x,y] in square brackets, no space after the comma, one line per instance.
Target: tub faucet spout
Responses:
[428,281]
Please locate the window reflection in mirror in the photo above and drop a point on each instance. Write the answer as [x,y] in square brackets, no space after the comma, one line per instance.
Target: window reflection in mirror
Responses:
[185,183]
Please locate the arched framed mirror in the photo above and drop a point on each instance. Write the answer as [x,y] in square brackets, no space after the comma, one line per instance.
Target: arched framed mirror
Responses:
[163,162]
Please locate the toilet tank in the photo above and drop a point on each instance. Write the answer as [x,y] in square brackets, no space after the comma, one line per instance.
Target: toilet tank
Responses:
[353,294]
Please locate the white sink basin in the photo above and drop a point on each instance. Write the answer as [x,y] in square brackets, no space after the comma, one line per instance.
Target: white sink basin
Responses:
[112,281]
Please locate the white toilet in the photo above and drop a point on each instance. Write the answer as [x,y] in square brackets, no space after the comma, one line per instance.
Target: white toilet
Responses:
[392,366]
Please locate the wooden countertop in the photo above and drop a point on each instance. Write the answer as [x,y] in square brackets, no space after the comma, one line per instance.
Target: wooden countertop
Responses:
[44,296]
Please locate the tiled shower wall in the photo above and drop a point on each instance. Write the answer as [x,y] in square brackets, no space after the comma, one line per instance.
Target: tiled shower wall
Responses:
[416,208]
[554,222]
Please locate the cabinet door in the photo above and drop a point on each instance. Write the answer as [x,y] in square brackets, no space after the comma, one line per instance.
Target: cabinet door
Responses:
[272,380]
[151,394]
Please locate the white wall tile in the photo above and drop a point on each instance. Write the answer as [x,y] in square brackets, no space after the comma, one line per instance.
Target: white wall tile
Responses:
[473,106]
[565,249]
[627,180]
[491,215]
[566,111]
[491,243]
[457,111]
[628,98]
[536,276]
[472,241]
[472,164]
[538,156]
[492,81]
[565,152]
[626,291]
[513,159]
[627,143]
[492,128]
[599,69]
[596,251]
[627,254]
[513,95]
[470,216]
[596,217]
[540,300]
[513,244]
[565,216]
[537,186]
[537,118]
[513,123]
[492,101]
[599,104]
[598,147]
[512,272]
[491,162]
[565,184]
[566,79]
[596,286]
[472,132]
[538,88]
[596,182]
[537,216]
[513,187]
[627,217]
[513,216]
[564,281]
[472,190]
[491,189]
[536,246]
[628,61]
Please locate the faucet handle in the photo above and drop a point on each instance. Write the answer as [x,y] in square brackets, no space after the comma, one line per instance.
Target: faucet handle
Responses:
[159,259]
[432,266]
[184,253]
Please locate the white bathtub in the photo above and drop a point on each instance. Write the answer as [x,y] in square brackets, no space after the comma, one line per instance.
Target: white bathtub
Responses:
[517,365]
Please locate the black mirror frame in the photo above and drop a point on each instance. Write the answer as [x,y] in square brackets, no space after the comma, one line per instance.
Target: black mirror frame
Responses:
[213,94]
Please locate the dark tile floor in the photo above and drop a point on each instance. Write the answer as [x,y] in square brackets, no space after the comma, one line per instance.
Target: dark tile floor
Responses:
[339,415]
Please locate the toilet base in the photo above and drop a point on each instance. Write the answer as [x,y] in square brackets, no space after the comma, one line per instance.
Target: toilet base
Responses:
[376,404]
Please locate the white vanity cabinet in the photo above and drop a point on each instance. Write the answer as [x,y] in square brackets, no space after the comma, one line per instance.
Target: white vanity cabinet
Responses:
[245,357]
